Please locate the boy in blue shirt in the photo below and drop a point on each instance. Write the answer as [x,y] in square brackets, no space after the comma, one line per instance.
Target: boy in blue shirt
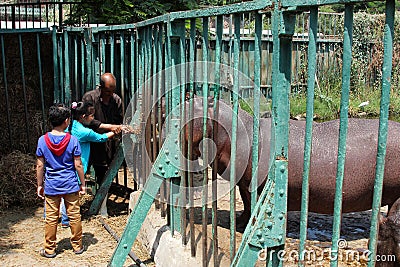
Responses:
[60,154]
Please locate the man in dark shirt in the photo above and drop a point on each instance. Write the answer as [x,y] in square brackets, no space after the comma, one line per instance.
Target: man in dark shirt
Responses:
[108,114]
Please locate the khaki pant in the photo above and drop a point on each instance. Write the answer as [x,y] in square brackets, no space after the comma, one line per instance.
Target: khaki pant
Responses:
[52,215]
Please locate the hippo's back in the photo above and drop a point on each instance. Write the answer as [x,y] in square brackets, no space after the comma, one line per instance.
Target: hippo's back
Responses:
[360,162]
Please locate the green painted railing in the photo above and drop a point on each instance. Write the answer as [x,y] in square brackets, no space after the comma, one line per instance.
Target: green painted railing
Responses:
[164,57]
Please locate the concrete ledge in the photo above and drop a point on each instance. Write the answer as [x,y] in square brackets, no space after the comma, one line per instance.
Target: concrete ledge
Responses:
[155,235]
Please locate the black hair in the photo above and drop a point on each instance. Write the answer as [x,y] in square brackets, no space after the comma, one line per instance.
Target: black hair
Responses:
[58,113]
[79,109]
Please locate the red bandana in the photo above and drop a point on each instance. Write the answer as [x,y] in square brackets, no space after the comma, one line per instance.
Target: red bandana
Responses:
[57,149]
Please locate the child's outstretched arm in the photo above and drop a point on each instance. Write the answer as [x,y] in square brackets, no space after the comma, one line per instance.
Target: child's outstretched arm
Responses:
[116,128]
[39,176]
[79,170]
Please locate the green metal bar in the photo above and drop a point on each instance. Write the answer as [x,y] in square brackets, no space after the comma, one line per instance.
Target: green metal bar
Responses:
[307,3]
[102,192]
[344,107]
[383,126]
[141,79]
[190,134]
[83,80]
[147,98]
[122,44]
[76,67]
[283,25]
[182,83]
[256,108]
[204,206]
[112,43]
[61,67]
[41,82]
[89,70]
[312,61]
[55,65]
[218,48]
[96,59]
[21,57]
[232,173]
[3,57]
[175,35]
[67,82]
[222,10]
[161,90]
[102,41]
[133,62]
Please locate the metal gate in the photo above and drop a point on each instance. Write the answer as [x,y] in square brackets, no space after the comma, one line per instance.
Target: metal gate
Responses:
[166,68]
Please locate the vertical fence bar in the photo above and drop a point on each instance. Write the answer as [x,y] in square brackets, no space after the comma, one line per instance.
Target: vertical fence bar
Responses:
[122,50]
[75,39]
[204,205]
[256,113]
[147,96]
[61,67]
[3,57]
[88,58]
[83,80]
[156,111]
[312,58]
[283,24]
[182,85]
[96,60]
[21,56]
[160,84]
[344,107]
[102,41]
[140,93]
[67,82]
[383,126]
[55,65]
[217,85]
[190,135]
[232,174]
[41,81]
[112,52]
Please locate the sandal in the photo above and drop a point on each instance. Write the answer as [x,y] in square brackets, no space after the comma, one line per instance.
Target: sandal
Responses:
[43,253]
[80,251]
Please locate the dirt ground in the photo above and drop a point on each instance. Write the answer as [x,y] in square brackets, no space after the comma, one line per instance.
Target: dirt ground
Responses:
[22,233]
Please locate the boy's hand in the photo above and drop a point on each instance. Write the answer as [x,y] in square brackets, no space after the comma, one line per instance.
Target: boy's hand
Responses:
[82,190]
[40,192]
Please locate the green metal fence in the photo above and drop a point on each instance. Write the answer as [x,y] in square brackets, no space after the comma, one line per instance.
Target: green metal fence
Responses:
[162,57]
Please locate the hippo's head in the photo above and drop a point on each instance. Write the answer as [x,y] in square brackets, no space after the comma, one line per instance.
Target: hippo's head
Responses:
[197,121]
[389,236]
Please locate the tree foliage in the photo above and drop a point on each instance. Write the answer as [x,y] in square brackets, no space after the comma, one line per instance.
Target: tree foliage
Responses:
[124,11]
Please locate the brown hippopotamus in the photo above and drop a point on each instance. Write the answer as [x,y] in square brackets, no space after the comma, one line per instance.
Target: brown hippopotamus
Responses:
[389,238]
[360,162]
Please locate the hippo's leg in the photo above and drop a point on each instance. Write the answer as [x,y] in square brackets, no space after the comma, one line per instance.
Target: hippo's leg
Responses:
[243,219]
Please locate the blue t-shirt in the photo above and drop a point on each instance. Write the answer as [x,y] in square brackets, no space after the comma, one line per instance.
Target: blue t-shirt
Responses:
[85,136]
[60,175]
